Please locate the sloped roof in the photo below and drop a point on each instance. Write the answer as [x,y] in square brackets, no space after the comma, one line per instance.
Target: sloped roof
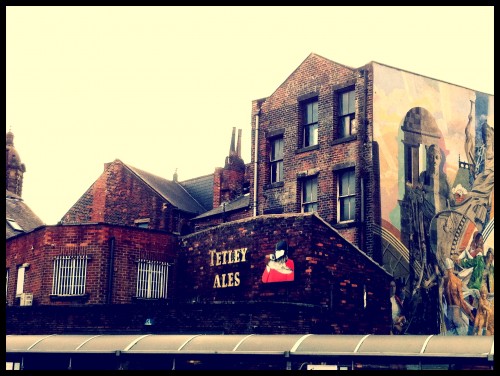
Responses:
[239,203]
[16,210]
[170,190]
[202,189]
[312,55]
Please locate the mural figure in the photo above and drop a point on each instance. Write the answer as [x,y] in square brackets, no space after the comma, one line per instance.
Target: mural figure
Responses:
[489,271]
[470,145]
[426,198]
[398,316]
[478,201]
[482,315]
[438,225]
[434,183]
[458,312]
[473,260]
[279,268]
[436,195]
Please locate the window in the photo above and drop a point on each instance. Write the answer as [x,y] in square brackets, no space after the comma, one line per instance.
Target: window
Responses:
[21,270]
[152,279]
[310,194]
[276,160]
[415,162]
[142,223]
[6,283]
[15,226]
[12,366]
[346,195]
[69,275]
[310,123]
[346,113]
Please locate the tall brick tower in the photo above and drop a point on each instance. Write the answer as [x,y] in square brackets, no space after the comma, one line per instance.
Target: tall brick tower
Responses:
[14,169]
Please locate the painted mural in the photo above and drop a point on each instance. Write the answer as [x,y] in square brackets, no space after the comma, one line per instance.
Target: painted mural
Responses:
[436,145]
[279,267]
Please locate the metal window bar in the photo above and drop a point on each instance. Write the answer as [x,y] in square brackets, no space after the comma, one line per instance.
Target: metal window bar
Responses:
[152,279]
[69,275]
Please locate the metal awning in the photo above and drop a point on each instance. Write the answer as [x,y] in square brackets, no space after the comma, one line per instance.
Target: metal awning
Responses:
[294,344]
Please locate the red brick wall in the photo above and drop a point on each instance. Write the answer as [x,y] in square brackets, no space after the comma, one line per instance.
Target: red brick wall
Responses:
[227,318]
[329,272]
[325,297]
[217,187]
[228,185]
[118,196]
[41,246]
[280,111]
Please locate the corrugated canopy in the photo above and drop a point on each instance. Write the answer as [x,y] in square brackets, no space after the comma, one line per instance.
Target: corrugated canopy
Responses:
[295,344]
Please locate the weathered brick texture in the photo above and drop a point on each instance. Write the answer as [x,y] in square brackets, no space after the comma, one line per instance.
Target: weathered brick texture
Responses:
[280,113]
[333,280]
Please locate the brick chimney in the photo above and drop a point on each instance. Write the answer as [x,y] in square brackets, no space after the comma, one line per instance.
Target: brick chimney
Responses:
[228,181]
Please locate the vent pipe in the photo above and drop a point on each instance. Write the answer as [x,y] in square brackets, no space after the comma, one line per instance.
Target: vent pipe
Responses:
[255,164]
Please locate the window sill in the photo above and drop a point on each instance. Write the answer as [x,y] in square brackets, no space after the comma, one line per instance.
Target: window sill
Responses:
[278,184]
[307,148]
[347,224]
[82,298]
[274,211]
[139,299]
[344,139]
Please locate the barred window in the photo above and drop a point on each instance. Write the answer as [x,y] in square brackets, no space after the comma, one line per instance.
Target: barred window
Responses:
[69,275]
[152,279]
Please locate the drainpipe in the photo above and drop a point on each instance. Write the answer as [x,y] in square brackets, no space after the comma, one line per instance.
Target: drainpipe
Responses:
[256,156]
[364,72]
[111,269]
[367,174]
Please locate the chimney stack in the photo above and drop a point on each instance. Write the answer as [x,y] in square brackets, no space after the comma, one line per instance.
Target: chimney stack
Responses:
[238,147]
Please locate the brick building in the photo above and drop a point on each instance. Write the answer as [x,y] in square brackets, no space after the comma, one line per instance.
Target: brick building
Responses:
[343,169]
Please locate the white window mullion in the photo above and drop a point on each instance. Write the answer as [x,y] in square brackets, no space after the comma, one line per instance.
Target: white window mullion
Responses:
[65,276]
[84,272]
[161,289]
[138,283]
[154,280]
[148,293]
[71,284]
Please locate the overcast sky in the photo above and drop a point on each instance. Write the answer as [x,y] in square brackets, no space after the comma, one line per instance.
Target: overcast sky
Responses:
[161,88]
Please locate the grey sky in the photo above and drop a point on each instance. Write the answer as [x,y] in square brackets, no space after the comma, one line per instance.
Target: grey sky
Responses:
[162,87]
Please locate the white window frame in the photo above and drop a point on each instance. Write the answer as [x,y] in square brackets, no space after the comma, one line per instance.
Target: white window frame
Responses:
[14,225]
[69,275]
[142,222]
[309,194]
[152,279]
[310,123]
[276,159]
[21,276]
[347,113]
[348,195]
